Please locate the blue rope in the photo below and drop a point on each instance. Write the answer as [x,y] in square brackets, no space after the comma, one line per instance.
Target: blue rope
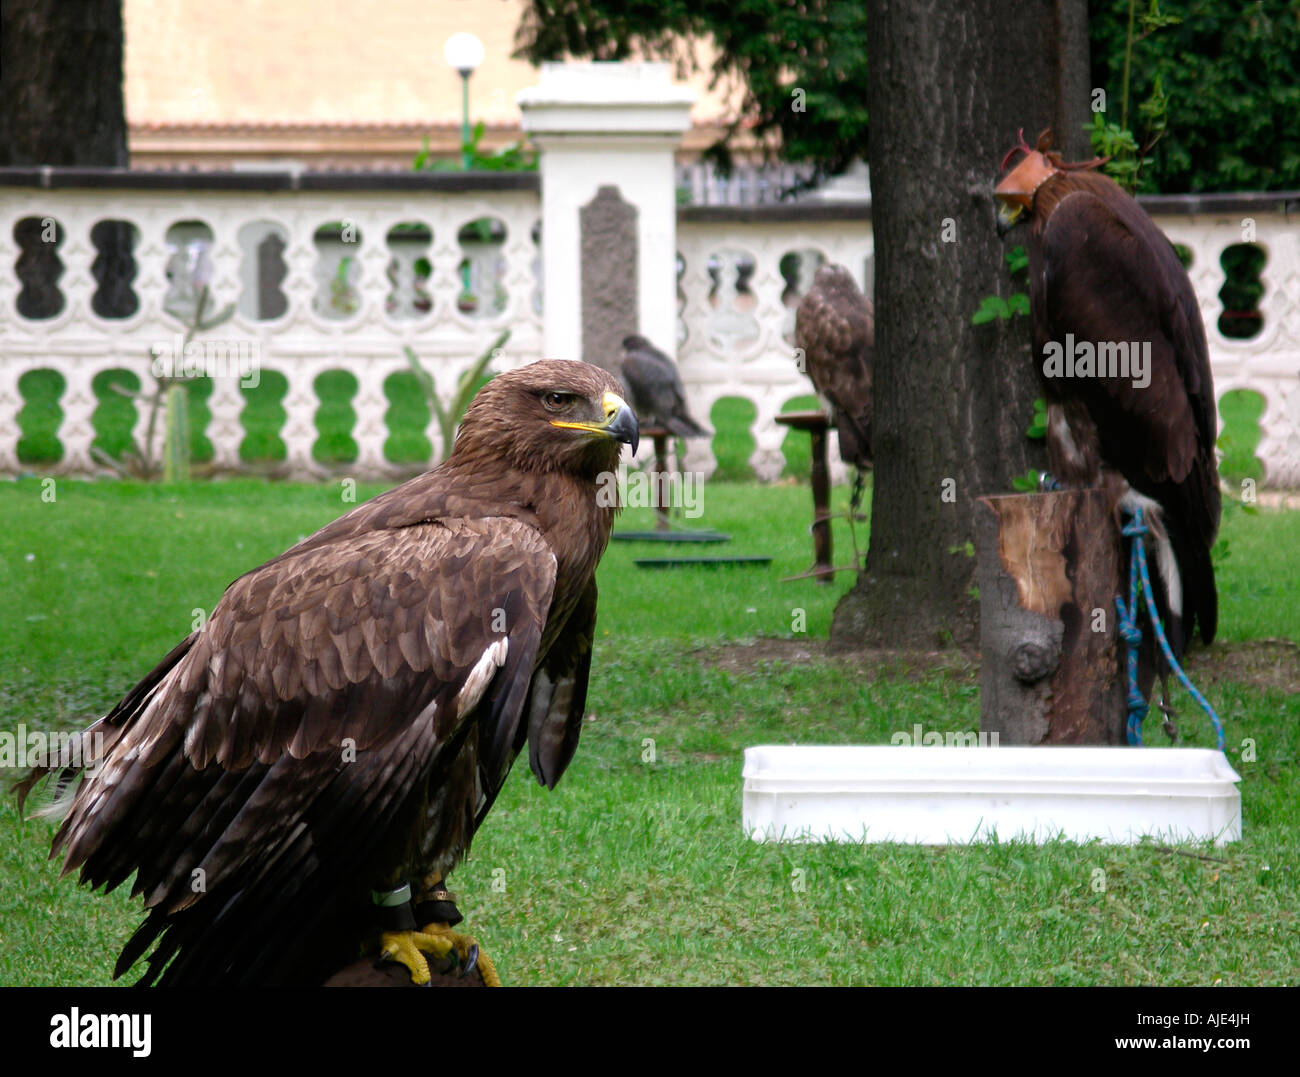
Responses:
[1132,636]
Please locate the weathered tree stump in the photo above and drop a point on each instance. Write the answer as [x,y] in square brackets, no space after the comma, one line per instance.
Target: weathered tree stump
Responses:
[369,972]
[1052,664]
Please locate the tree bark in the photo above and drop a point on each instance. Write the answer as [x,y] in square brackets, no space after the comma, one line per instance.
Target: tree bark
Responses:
[61,103]
[61,99]
[1051,667]
[949,85]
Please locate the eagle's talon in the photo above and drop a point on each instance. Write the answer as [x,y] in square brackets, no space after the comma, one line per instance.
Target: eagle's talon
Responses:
[471,961]
[439,940]
[401,947]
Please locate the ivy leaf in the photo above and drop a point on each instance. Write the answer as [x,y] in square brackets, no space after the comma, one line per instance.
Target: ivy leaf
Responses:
[1038,428]
[1018,303]
[991,306]
[1026,483]
[1017,259]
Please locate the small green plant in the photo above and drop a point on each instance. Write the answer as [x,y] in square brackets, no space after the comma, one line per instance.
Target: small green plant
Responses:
[1026,483]
[994,306]
[1116,141]
[171,397]
[470,382]
[1038,428]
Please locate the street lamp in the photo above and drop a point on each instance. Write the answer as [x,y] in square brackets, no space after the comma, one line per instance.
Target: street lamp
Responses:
[464,52]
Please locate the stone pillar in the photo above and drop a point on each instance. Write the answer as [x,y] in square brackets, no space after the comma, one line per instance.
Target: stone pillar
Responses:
[607,125]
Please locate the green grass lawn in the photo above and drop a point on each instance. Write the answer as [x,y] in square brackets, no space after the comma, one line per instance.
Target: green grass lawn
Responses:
[634,870]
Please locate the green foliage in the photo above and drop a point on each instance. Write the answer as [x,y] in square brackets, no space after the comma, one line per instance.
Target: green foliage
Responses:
[1115,141]
[804,66]
[994,306]
[515,157]
[1038,428]
[1226,72]
[471,381]
[1026,483]
[1242,290]
[1017,303]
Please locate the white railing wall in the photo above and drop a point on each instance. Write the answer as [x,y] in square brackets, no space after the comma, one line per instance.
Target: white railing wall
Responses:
[736,328]
[1269,362]
[742,272]
[355,316]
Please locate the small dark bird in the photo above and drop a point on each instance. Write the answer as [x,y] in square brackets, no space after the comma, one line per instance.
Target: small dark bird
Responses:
[1121,355]
[302,773]
[654,388]
[835,330]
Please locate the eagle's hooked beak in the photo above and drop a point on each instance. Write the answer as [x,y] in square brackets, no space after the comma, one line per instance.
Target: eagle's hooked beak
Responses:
[1008,216]
[619,422]
[1016,191]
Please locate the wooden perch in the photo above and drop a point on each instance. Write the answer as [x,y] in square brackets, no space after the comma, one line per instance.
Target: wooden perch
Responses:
[1049,570]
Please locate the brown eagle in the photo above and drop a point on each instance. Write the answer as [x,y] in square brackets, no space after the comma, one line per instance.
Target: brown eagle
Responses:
[834,328]
[1121,352]
[307,768]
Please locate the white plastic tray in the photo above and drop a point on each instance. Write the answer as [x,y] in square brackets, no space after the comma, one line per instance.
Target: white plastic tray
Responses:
[953,795]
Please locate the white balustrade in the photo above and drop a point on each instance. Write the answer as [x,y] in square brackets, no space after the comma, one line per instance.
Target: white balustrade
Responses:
[344,278]
[350,298]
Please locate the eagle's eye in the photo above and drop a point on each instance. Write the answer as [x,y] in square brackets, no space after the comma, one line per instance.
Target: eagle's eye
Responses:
[555,401]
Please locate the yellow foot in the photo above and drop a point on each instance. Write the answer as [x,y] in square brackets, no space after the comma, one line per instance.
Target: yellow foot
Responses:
[409,947]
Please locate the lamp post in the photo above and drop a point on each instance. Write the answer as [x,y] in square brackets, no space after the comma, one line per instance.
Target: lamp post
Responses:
[464,52]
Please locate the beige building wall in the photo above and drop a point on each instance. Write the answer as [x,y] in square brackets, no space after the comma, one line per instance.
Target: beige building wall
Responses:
[265,79]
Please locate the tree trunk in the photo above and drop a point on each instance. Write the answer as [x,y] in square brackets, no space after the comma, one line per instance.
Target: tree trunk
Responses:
[61,100]
[1051,667]
[949,85]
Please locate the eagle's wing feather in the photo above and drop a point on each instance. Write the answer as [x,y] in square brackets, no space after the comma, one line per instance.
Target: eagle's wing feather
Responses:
[1110,276]
[559,694]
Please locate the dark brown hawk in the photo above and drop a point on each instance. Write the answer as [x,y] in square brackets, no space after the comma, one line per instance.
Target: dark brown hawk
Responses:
[340,726]
[834,330]
[655,389]
[1134,394]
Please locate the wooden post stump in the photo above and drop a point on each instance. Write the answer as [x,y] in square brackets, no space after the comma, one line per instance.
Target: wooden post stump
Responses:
[1052,663]
[661,475]
[816,423]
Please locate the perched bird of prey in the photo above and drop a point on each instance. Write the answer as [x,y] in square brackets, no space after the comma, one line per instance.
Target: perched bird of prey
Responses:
[655,389]
[835,330]
[1121,351]
[307,768]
